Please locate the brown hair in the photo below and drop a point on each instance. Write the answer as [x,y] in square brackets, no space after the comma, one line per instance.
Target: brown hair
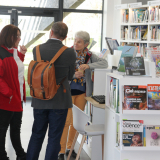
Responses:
[8,35]
[60,30]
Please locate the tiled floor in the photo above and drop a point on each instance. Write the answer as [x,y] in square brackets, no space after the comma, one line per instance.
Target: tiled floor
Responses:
[27,122]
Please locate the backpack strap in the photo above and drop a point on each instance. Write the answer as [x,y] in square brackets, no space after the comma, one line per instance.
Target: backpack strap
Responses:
[62,49]
[38,56]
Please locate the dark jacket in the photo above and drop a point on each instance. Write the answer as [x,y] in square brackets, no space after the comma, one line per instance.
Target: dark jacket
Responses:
[64,66]
[9,82]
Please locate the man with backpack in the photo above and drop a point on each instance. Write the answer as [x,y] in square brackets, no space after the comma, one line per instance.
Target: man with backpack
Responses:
[51,113]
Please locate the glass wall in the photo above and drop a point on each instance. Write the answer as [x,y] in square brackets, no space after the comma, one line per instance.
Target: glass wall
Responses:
[83,4]
[90,22]
[31,3]
[35,28]
[34,31]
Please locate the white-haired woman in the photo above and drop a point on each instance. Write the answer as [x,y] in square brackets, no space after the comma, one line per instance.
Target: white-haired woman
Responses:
[81,85]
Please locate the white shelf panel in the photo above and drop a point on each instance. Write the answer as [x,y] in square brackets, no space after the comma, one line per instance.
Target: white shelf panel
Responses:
[111,109]
[140,149]
[124,24]
[117,149]
[137,24]
[153,23]
[144,112]
[134,41]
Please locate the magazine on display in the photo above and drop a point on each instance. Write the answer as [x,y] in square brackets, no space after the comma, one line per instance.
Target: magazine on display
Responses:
[152,135]
[154,55]
[135,97]
[134,66]
[128,51]
[153,97]
[132,133]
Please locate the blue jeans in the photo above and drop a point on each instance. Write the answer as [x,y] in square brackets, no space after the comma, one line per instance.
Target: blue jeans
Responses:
[44,118]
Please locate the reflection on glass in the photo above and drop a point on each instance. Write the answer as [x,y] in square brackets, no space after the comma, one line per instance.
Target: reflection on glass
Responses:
[31,3]
[83,4]
[4,20]
[89,22]
[34,31]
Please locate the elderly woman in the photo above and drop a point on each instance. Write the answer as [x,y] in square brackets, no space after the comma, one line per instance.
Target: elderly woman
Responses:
[12,89]
[81,85]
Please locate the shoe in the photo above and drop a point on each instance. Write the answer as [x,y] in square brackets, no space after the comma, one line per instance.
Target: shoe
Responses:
[61,157]
[74,154]
[21,158]
[7,158]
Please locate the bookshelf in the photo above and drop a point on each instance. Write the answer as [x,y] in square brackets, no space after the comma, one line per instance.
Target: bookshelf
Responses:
[140,25]
[150,117]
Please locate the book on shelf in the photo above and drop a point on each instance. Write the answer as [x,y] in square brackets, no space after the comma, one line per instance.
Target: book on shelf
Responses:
[132,133]
[125,16]
[117,134]
[127,51]
[139,15]
[152,135]
[155,33]
[134,66]
[154,14]
[153,96]
[154,55]
[104,53]
[135,97]
[114,94]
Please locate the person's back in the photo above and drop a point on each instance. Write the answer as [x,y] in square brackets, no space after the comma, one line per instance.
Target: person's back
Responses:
[54,111]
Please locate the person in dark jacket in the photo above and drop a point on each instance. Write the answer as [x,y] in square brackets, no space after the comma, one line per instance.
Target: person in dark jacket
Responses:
[12,89]
[51,114]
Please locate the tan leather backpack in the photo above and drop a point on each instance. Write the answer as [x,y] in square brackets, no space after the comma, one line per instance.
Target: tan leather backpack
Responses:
[41,77]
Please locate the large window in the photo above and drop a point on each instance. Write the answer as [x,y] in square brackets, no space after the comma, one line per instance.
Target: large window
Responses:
[35,18]
[83,4]
[90,22]
[31,3]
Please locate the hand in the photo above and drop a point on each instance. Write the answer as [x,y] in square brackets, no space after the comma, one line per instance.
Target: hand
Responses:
[78,74]
[84,66]
[23,49]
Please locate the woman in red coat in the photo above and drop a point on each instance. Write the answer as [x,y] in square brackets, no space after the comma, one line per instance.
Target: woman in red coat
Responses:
[12,89]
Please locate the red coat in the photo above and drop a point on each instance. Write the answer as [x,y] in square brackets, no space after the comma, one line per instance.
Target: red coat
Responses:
[9,82]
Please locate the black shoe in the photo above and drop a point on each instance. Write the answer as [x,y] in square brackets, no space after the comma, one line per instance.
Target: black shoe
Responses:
[7,158]
[74,154]
[61,157]
[22,157]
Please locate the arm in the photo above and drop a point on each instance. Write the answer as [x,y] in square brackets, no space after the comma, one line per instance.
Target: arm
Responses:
[4,88]
[97,62]
[22,52]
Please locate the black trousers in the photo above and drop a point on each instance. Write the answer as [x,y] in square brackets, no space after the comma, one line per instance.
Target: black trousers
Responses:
[14,120]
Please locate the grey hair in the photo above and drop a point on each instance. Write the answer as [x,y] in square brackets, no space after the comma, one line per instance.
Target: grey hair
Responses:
[83,35]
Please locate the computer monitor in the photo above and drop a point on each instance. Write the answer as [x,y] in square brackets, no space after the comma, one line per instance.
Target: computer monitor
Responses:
[112,44]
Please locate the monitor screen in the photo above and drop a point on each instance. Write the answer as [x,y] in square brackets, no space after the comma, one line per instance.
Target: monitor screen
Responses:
[112,44]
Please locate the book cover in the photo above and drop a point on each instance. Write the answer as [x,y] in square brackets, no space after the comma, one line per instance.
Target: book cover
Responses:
[153,98]
[154,54]
[104,53]
[128,51]
[117,134]
[135,97]
[152,135]
[134,66]
[132,133]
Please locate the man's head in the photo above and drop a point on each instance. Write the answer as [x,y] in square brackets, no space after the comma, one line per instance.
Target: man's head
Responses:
[59,30]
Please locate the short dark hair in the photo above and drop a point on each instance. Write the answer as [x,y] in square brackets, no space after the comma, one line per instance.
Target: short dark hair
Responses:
[60,30]
[8,35]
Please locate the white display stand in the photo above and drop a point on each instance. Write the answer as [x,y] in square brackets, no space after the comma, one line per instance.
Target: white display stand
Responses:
[94,150]
[111,118]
